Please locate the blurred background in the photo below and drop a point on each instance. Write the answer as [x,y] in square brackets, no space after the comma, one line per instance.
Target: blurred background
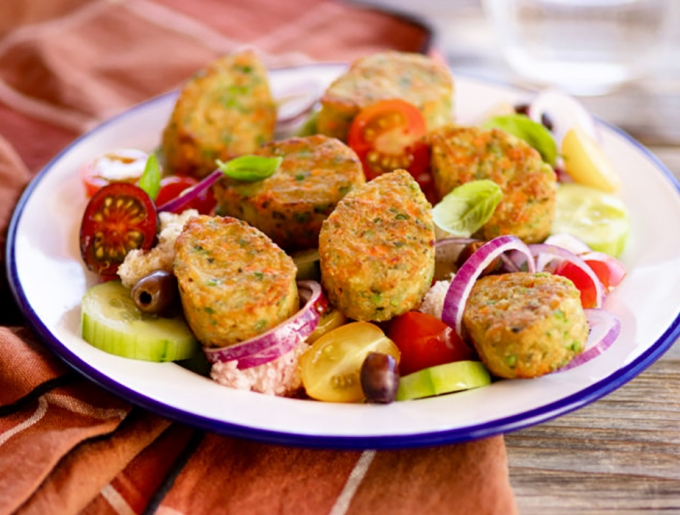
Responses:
[643,35]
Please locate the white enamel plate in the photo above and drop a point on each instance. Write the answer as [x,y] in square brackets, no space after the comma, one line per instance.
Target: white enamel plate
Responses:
[48,280]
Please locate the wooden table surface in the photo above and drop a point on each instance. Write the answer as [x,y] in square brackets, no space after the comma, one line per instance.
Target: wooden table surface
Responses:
[620,454]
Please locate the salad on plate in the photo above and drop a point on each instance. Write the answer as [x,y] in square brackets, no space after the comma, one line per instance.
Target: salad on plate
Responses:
[362,248]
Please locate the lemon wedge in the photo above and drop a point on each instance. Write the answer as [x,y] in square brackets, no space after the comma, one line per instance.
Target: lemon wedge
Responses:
[586,162]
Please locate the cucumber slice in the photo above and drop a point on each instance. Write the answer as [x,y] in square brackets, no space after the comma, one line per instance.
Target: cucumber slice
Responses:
[597,218]
[111,322]
[447,378]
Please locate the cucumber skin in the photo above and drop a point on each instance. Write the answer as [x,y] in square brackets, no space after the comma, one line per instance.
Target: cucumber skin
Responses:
[142,338]
[438,380]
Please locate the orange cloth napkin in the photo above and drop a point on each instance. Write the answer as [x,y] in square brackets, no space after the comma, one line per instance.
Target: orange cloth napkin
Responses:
[68,446]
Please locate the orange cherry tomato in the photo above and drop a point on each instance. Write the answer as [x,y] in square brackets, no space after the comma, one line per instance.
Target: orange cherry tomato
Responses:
[425,341]
[391,134]
[173,186]
[122,165]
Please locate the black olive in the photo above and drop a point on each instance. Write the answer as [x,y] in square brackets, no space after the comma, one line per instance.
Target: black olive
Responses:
[522,109]
[156,292]
[547,121]
[379,378]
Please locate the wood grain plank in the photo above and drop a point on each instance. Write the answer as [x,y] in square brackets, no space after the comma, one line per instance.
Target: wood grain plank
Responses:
[619,455]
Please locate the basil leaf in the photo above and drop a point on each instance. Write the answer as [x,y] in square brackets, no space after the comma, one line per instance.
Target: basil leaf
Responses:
[150,181]
[250,168]
[535,134]
[467,208]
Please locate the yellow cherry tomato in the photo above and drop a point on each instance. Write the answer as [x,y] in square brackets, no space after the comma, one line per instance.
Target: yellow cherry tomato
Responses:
[331,367]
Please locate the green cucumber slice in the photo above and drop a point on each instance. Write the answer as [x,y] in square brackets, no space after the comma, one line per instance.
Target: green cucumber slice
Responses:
[447,378]
[111,322]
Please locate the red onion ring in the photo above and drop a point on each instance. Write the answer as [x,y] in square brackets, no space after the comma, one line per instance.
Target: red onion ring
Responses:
[177,204]
[604,329]
[279,340]
[296,103]
[464,280]
[545,254]
[564,111]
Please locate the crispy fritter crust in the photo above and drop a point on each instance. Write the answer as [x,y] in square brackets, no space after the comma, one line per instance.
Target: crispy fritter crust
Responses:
[525,325]
[224,111]
[290,206]
[464,154]
[415,78]
[233,281]
[377,249]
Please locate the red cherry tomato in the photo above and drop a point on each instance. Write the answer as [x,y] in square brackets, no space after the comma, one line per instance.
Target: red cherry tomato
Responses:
[581,280]
[119,217]
[602,272]
[391,134]
[122,165]
[425,341]
[608,269]
[173,186]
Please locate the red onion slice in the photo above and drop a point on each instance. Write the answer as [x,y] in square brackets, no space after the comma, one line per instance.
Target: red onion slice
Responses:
[604,329]
[569,242]
[279,340]
[297,102]
[564,112]
[545,254]
[177,204]
[464,280]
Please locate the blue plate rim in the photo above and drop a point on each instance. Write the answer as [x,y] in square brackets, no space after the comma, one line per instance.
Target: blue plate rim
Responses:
[458,435]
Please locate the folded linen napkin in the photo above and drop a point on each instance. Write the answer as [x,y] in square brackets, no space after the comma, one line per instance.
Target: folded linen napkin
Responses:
[68,446]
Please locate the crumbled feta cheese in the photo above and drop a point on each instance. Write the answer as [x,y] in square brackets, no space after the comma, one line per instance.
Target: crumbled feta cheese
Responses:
[433,303]
[279,377]
[139,263]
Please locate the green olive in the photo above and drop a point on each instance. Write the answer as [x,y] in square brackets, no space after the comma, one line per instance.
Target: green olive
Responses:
[155,293]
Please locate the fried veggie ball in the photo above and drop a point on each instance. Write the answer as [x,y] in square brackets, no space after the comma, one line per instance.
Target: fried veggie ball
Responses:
[377,249]
[224,111]
[464,154]
[415,78]
[525,324]
[234,282]
[315,174]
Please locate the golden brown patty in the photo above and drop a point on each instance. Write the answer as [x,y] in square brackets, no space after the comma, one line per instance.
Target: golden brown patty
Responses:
[315,174]
[376,249]
[224,111]
[233,281]
[525,325]
[415,78]
[464,154]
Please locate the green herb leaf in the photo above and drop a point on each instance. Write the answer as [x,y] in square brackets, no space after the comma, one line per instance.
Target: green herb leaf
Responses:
[150,181]
[535,134]
[250,168]
[466,208]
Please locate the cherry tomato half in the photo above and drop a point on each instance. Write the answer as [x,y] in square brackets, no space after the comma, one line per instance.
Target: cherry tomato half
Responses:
[581,280]
[173,186]
[425,341]
[119,217]
[122,165]
[391,134]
